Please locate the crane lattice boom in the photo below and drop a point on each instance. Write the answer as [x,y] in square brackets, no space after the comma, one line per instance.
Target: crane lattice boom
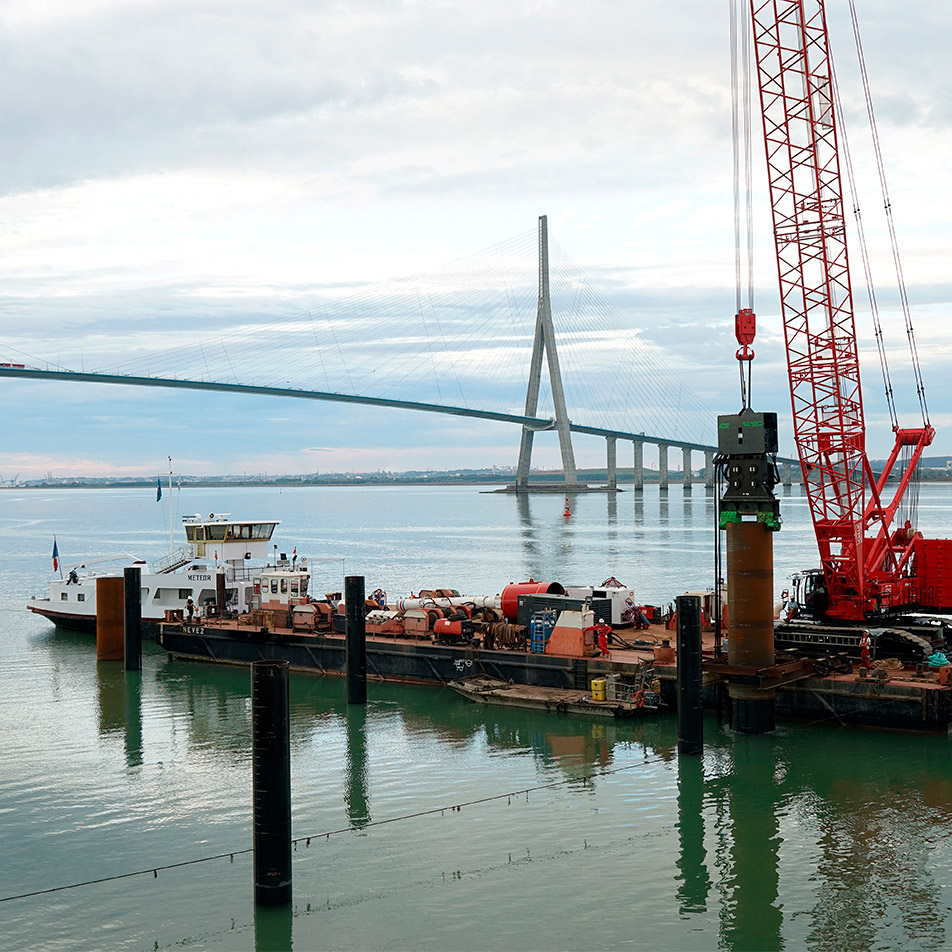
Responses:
[867,563]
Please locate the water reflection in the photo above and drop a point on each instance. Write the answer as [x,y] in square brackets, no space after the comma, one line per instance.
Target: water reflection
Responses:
[751,917]
[694,881]
[639,508]
[119,697]
[110,683]
[858,825]
[215,700]
[815,838]
[878,819]
[358,806]
[133,691]
[528,529]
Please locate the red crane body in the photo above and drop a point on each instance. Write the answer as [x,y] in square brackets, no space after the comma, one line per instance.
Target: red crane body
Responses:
[870,564]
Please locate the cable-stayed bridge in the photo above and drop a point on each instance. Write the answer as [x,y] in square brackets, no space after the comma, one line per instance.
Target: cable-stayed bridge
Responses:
[496,336]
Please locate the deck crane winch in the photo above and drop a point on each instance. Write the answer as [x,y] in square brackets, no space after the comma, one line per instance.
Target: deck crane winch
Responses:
[876,567]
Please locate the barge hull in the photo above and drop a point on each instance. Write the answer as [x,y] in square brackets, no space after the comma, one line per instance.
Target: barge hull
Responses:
[891,704]
[416,662]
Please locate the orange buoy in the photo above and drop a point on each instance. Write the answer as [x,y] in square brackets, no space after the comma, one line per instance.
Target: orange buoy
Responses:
[568,511]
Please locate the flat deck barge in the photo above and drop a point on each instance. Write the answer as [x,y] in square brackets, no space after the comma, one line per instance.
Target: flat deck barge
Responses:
[896,698]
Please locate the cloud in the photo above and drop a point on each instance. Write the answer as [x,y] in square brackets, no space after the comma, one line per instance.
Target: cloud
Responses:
[182,178]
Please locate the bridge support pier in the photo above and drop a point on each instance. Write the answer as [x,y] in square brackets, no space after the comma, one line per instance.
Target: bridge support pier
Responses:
[787,474]
[638,473]
[708,469]
[611,464]
[663,467]
[687,475]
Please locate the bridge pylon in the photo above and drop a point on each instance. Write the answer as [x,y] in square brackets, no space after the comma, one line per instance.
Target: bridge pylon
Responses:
[544,345]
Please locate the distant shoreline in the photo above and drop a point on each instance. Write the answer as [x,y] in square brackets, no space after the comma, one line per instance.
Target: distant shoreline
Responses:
[595,478]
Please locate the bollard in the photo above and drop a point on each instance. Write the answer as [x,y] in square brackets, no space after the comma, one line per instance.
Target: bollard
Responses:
[132,576]
[690,697]
[271,781]
[356,639]
[109,618]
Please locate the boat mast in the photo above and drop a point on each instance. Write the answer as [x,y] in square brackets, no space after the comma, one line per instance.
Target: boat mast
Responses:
[171,533]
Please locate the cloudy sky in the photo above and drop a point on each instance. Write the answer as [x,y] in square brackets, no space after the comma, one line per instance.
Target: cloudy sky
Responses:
[172,171]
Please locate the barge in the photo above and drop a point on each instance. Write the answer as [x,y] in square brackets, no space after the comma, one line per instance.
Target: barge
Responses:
[896,697]
[629,702]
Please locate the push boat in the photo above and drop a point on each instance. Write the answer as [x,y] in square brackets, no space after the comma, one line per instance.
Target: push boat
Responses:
[223,567]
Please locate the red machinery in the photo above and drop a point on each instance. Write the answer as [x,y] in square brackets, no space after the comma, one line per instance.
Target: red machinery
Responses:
[874,564]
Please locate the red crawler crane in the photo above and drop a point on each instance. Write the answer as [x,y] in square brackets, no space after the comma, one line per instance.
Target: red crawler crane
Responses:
[871,567]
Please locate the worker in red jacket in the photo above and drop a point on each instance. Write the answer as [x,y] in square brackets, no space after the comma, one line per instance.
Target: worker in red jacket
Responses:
[864,650]
[602,631]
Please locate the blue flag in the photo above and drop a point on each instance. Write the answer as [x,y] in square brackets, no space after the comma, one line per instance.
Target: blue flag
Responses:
[158,489]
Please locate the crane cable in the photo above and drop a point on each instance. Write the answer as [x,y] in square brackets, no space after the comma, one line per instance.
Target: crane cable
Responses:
[864,249]
[740,126]
[887,206]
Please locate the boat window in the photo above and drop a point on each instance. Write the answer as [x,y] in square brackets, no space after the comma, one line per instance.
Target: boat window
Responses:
[216,532]
[243,532]
[284,586]
[184,593]
[274,586]
[193,533]
[81,597]
[304,586]
[262,530]
[64,596]
[294,587]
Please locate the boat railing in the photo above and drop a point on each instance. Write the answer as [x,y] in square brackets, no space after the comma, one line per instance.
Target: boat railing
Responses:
[172,561]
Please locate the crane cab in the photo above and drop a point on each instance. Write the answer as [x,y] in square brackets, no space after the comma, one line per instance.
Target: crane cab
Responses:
[809,598]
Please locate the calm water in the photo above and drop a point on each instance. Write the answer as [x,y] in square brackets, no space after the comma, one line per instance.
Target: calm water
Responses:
[819,837]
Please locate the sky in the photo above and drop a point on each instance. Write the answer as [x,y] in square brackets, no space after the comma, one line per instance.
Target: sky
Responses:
[170,171]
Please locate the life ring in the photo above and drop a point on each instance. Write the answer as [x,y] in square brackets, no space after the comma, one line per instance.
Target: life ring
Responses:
[640,698]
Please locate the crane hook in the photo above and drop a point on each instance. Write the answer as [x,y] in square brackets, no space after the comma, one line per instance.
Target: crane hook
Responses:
[745,329]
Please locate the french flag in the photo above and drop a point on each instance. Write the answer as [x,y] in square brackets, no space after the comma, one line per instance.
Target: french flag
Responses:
[55,556]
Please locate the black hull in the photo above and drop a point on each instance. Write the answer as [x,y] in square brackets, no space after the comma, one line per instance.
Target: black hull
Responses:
[893,705]
[86,624]
[422,663]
